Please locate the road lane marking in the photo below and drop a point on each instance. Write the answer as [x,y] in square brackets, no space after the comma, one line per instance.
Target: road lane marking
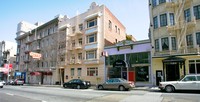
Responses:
[44,101]
[10,94]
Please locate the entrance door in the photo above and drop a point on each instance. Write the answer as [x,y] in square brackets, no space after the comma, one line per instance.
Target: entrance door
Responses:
[172,72]
[158,76]
[124,75]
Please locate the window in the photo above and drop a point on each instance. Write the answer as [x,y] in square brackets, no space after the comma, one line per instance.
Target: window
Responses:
[190,78]
[72,71]
[92,71]
[194,66]
[80,41]
[171,18]
[198,78]
[198,38]
[80,56]
[165,43]
[197,11]
[157,45]
[187,15]
[163,20]
[110,25]
[116,29]
[154,2]
[91,23]
[79,71]
[173,43]
[80,27]
[155,22]
[73,43]
[91,54]
[142,73]
[73,29]
[162,1]
[189,40]
[92,38]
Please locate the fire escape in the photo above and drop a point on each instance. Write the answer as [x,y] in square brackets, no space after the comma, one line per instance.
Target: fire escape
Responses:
[181,26]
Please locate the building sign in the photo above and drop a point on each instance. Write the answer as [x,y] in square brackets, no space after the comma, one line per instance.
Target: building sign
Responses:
[125,44]
[18,73]
[35,55]
[119,63]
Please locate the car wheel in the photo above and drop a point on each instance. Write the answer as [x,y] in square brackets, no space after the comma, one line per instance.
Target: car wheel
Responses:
[1,86]
[78,86]
[169,88]
[65,86]
[100,87]
[121,88]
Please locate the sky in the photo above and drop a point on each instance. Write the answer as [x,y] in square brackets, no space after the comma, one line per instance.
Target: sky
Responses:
[133,14]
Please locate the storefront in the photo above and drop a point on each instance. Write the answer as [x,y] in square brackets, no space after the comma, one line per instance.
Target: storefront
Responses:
[130,60]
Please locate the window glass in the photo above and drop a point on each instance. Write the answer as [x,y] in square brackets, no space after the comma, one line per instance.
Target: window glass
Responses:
[192,68]
[91,38]
[187,15]
[198,68]
[154,2]
[91,54]
[92,71]
[142,73]
[91,23]
[171,18]
[157,44]
[189,40]
[198,38]
[79,71]
[198,78]
[165,43]
[189,78]
[163,20]
[162,1]
[72,71]
[173,43]
[197,11]
[155,22]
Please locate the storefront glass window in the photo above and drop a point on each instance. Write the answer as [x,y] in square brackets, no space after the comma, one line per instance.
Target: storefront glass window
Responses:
[142,73]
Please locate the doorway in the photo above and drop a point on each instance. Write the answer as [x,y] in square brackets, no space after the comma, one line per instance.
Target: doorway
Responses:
[158,76]
[172,72]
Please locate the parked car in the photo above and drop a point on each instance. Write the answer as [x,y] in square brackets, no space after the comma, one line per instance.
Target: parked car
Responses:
[1,85]
[18,82]
[3,82]
[10,82]
[116,83]
[189,82]
[77,83]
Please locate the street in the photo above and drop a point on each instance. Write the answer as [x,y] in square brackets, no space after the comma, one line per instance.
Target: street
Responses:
[58,94]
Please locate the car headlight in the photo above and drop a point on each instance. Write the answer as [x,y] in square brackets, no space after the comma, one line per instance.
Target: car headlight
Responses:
[84,83]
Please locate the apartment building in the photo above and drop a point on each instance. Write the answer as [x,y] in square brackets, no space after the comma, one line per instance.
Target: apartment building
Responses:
[7,56]
[86,35]
[175,38]
[40,39]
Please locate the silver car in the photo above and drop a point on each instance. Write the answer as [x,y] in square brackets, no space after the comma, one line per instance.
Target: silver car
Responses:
[116,83]
[189,82]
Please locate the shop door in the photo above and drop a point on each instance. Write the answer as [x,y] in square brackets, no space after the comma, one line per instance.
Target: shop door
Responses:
[124,75]
[131,76]
[172,72]
[158,76]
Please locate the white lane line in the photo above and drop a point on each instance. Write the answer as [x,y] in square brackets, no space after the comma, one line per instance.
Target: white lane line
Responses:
[10,94]
[44,101]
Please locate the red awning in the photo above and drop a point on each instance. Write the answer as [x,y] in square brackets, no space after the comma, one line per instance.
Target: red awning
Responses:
[35,73]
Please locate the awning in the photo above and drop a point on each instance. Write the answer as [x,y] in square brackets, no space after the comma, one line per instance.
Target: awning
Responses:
[173,59]
[47,73]
[35,73]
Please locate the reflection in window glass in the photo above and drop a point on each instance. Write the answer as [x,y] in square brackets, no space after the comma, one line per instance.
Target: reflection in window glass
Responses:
[142,73]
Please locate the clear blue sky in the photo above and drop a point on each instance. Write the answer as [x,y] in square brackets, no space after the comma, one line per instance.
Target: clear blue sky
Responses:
[133,14]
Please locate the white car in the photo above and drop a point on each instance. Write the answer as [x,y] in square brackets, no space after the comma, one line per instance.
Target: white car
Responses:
[189,82]
[1,85]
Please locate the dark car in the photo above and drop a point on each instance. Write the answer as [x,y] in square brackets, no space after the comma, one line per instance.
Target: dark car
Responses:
[77,83]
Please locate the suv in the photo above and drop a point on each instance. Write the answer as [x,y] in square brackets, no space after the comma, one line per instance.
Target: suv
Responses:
[189,82]
[18,82]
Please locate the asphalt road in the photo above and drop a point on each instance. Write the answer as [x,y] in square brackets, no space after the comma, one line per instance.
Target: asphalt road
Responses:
[58,94]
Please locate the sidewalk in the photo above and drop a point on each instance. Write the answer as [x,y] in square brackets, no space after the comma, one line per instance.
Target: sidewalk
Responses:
[144,88]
